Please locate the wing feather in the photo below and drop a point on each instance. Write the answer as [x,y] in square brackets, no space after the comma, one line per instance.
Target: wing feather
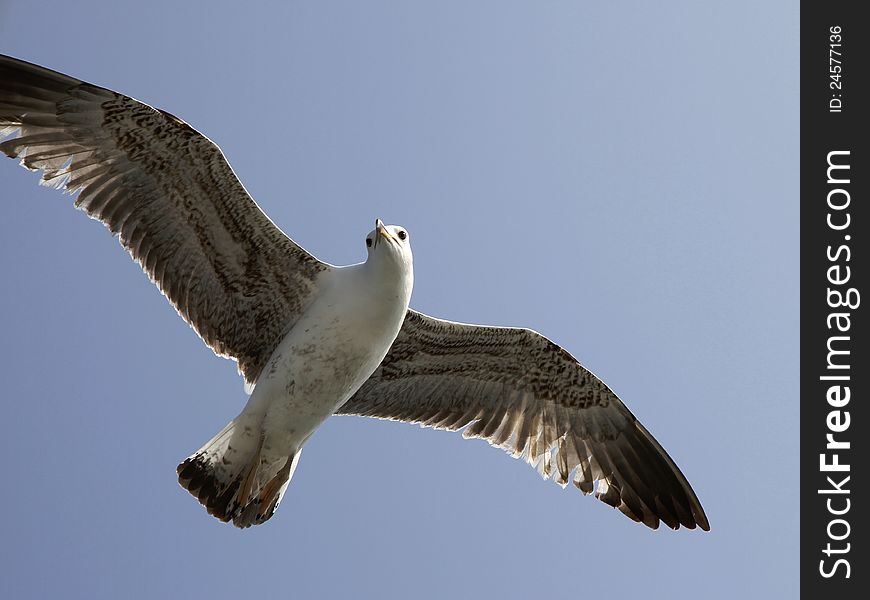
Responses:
[521,392]
[172,199]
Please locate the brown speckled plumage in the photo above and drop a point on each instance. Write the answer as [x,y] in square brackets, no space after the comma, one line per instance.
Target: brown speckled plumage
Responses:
[523,393]
[173,201]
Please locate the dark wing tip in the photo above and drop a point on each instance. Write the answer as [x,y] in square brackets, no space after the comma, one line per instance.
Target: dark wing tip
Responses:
[646,484]
[29,83]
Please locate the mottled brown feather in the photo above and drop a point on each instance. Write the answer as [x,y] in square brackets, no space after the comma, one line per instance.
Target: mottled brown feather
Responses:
[524,393]
[172,199]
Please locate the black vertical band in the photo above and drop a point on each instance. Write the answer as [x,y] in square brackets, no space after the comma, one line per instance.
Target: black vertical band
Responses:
[835,367]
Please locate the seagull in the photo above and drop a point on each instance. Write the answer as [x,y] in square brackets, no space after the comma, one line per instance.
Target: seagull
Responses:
[313,339]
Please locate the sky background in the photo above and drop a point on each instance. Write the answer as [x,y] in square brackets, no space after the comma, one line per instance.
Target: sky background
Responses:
[619,176]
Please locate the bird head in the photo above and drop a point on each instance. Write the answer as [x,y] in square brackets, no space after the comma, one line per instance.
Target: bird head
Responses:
[389,243]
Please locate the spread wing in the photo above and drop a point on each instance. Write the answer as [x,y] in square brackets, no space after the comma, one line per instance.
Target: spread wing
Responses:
[172,199]
[523,393]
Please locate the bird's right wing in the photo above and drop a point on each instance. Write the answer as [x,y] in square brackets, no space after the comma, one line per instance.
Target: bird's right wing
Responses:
[170,196]
[521,392]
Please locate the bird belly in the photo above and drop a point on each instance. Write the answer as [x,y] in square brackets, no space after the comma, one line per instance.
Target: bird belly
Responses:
[330,352]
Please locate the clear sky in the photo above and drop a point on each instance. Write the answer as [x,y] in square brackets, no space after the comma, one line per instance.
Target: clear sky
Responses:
[621,176]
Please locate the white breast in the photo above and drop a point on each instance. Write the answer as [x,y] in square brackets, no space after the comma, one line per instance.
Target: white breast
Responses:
[330,352]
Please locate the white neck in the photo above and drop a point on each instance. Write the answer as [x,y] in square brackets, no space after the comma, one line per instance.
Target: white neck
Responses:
[391,278]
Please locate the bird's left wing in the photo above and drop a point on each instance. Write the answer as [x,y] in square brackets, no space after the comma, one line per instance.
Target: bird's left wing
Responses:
[525,394]
[172,199]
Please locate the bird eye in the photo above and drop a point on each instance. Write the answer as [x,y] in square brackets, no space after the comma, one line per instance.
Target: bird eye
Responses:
[369,242]
[403,235]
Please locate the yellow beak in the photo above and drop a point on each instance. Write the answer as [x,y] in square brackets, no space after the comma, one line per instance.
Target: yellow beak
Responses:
[382,230]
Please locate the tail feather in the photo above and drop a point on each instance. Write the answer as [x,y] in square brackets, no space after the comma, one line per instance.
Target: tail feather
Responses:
[261,508]
[234,479]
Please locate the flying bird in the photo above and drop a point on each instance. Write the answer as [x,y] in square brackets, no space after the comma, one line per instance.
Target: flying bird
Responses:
[313,339]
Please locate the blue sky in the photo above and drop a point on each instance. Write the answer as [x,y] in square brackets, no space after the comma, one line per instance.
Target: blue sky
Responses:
[619,176]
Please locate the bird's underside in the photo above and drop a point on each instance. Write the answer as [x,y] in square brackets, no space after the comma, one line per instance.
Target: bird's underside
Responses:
[174,203]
